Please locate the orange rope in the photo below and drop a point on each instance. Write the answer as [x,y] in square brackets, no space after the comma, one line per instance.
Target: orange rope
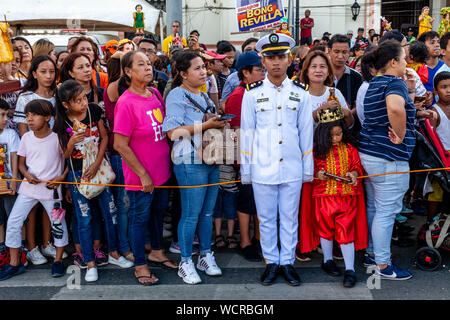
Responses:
[212,184]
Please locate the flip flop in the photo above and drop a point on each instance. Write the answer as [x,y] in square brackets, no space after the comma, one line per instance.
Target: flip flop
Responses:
[148,283]
[162,264]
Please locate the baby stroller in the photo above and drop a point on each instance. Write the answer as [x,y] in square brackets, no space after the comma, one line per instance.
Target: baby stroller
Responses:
[429,154]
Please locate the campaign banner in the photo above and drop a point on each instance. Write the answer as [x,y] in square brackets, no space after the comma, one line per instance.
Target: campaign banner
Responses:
[258,14]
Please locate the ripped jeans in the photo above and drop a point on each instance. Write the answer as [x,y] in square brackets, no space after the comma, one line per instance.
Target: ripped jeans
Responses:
[82,205]
[197,206]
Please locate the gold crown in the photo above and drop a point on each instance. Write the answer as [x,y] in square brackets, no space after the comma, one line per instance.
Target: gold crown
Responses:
[330,115]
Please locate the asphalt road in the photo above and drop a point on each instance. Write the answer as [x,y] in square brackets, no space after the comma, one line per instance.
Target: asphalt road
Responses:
[239,282]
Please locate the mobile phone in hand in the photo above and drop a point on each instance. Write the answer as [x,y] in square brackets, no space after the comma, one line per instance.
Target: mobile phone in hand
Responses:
[226,117]
[337,178]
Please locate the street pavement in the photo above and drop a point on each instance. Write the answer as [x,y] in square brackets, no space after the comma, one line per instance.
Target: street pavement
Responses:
[239,282]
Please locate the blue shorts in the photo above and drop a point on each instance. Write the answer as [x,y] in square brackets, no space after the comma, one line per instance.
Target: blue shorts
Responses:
[226,205]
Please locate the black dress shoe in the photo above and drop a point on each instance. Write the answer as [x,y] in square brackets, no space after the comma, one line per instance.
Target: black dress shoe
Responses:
[270,274]
[331,268]
[290,275]
[349,278]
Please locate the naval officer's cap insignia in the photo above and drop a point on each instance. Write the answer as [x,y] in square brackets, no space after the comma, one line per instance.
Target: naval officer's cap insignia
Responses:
[273,38]
[254,85]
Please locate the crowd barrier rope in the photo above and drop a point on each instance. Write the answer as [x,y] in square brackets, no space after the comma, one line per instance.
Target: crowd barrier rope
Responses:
[212,184]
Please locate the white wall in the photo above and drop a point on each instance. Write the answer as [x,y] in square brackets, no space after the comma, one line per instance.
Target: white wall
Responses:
[333,16]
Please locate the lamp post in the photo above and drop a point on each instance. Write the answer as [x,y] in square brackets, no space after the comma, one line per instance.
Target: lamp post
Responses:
[355,10]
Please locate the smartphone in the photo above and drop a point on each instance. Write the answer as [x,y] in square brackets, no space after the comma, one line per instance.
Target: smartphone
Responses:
[337,178]
[227,117]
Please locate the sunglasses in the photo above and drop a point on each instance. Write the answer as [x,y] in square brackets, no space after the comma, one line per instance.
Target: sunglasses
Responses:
[115,47]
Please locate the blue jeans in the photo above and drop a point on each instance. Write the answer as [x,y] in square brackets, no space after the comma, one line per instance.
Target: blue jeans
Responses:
[140,204]
[97,224]
[82,205]
[122,204]
[197,206]
[154,232]
[384,198]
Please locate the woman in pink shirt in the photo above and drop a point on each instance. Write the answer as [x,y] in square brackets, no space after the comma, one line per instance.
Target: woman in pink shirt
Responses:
[139,139]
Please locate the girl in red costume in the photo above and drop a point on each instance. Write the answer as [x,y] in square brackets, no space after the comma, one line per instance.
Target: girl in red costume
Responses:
[337,210]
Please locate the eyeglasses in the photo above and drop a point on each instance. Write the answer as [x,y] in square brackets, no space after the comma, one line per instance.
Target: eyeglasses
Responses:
[147,50]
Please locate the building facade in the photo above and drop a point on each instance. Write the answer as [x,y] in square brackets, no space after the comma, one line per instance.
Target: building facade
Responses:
[216,19]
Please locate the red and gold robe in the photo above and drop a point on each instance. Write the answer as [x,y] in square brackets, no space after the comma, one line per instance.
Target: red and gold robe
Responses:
[330,207]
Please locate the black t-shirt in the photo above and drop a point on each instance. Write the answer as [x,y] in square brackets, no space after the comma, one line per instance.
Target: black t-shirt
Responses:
[349,85]
[91,130]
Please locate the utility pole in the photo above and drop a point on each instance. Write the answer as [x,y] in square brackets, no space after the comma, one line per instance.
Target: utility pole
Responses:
[174,12]
[297,22]
[291,15]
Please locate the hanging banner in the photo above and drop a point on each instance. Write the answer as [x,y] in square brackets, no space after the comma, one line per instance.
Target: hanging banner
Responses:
[258,14]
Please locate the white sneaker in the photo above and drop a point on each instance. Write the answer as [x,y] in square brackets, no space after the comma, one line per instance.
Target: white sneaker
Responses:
[209,265]
[50,251]
[91,275]
[186,270]
[36,257]
[166,233]
[121,262]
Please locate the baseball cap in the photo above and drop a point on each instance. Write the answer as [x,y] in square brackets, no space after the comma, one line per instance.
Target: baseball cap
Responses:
[215,55]
[350,32]
[249,58]
[327,34]
[112,46]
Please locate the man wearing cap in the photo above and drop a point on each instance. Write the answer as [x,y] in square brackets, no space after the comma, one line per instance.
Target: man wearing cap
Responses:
[350,36]
[250,69]
[410,35]
[276,142]
[360,36]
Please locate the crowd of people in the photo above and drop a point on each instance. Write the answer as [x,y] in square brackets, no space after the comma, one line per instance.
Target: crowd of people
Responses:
[336,108]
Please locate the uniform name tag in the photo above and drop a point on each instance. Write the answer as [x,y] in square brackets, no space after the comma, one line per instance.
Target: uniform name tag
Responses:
[262,100]
[294,99]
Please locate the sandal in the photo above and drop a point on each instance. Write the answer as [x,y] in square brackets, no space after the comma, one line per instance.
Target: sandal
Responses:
[148,283]
[219,242]
[163,264]
[232,242]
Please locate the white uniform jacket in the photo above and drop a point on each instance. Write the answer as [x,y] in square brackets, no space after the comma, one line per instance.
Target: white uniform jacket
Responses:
[276,138]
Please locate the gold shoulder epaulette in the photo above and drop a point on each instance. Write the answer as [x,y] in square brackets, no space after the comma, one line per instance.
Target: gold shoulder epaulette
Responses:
[253,85]
[300,84]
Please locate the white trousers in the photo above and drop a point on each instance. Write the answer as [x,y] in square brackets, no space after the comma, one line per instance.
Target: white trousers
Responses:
[271,199]
[18,215]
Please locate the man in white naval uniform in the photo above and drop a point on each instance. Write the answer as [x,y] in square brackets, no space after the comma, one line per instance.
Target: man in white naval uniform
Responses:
[276,143]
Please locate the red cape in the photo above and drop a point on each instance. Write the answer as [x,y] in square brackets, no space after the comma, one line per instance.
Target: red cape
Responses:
[309,239]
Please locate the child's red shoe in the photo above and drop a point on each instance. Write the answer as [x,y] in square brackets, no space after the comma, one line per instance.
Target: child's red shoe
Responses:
[23,258]
[4,258]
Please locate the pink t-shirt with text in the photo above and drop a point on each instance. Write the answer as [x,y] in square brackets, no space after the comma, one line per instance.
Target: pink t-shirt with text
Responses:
[141,120]
[44,159]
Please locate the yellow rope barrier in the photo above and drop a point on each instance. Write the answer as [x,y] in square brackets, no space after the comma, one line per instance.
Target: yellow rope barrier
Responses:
[212,184]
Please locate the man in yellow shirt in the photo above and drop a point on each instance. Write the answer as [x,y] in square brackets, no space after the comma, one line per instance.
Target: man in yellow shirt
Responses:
[174,38]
